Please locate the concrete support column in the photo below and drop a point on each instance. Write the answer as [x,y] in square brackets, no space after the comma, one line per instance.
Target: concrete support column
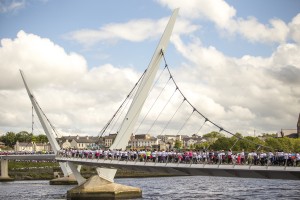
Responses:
[71,179]
[4,168]
[4,171]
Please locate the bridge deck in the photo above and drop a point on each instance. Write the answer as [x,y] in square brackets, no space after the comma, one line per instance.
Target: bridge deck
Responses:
[247,171]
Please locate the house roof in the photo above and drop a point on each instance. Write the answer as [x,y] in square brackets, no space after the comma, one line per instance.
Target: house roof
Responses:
[41,144]
[86,139]
[78,139]
[110,137]
[25,144]
[141,136]
[192,138]
[144,139]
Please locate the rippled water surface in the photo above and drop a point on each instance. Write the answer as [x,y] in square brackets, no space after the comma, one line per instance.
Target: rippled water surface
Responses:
[195,187]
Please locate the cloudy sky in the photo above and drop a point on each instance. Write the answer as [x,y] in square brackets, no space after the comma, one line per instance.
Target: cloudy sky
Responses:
[237,61]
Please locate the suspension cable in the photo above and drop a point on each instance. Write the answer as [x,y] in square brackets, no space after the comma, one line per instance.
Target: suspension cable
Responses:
[162,110]
[235,143]
[112,118]
[172,117]
[116,120]
[202,126]
[216,125]
[123,110]
[32,119]
[138,93]
[185,121]
[153,104]
[52,127]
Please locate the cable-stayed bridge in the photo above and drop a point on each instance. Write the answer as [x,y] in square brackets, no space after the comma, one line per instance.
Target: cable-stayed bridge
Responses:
[169,110]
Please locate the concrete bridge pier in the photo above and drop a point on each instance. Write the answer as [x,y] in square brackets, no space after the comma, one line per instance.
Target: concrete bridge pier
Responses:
[67,179]
[102,186]
[4,171]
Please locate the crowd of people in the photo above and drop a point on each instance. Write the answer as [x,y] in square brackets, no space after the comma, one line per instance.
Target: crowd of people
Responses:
[278,158]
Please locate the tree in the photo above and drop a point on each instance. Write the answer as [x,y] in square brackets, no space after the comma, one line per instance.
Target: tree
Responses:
[238,135]
[202,145]
[41,138]
[222,143]
[296,145]
[250,143]
[213,136]
[24,136]
[267,135]
[286,144]
[274,143]
[192,146]
[9,139]
[178,144]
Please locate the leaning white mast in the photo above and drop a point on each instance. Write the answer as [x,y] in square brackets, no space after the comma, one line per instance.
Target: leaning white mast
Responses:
[134,111]
[65,168]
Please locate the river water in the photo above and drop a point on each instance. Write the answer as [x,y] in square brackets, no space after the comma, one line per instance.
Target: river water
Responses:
[187,187]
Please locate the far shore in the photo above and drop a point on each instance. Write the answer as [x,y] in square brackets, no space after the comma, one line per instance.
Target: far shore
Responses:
[48,170]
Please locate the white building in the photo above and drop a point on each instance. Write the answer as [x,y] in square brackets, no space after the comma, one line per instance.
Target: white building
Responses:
[78,142]
[32,146]
[142,141]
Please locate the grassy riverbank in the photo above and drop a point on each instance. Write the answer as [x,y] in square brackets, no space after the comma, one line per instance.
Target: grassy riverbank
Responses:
[45,171]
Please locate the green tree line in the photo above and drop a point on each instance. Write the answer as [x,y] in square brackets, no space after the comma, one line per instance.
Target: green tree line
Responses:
[10,138]
[266,142]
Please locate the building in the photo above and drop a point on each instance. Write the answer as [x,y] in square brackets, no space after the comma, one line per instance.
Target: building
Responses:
[170,140]
[77,142]
[166,138]
[143,141]
[32,146]
[187,142]
[108,140]
[291,133]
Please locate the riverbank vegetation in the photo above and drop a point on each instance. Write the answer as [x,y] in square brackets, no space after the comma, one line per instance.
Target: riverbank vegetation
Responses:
[25,170]
[10,138]
[266,142]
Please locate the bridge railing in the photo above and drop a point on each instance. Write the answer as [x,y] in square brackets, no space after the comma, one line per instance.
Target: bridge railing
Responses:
[180,158]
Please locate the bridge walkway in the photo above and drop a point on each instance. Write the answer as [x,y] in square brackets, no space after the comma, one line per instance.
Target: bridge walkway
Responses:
[192,169]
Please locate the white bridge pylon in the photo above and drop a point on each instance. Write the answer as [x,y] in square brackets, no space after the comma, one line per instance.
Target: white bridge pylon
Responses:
[67,171]
[138,101]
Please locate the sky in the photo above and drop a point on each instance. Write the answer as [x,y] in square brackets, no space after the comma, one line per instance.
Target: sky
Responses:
[237,61]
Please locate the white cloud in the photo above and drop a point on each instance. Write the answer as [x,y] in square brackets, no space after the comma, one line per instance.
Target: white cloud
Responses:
[73,97]
[133,31]
[11,5]
[277,31]
[46,60]
[295,28]
[225,18]
[250,89]
[217,11]
[286,55]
